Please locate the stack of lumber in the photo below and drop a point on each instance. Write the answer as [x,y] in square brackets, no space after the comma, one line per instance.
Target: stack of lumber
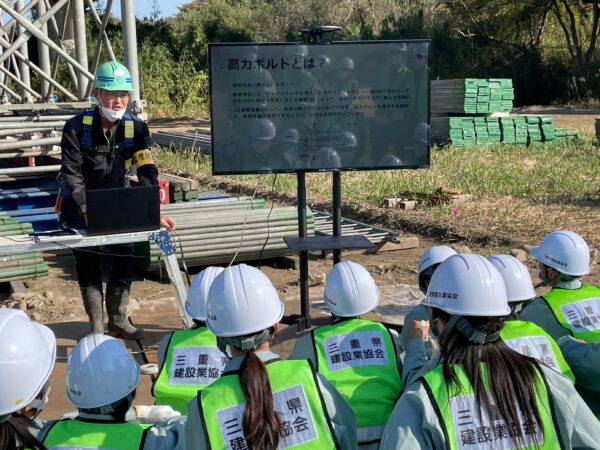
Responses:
[472,96]
[515,130]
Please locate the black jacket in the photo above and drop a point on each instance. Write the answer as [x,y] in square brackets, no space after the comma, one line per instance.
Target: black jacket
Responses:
[101,167]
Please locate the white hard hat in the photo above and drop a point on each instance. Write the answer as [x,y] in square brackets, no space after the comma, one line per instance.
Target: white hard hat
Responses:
[27,354]
[468,285]
[517,278]
[434,255]
[195,304]
[100,371]
[241,301]
[350,290]
[564,251]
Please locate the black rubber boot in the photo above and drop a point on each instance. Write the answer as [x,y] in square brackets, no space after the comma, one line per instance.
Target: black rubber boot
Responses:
[117,298]
[92,302]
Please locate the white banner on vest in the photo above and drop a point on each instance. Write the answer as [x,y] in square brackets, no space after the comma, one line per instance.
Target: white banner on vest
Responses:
[359,348]
[293,410]
[583,315]
[196,365]
[474,434]
[537,347]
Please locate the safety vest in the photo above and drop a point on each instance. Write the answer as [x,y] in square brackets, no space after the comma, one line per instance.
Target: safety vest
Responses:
[296,398]
[88,120]
[530,340]
[86,434]
[577,310]
[192,362]
[359,358]
[465,429]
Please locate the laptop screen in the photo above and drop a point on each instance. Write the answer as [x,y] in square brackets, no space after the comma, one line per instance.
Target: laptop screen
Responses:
[122,210]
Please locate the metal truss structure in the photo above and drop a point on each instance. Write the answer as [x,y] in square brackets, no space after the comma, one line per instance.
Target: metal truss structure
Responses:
[39,37]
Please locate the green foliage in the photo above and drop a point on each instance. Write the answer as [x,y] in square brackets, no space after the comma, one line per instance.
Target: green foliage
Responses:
[548,47]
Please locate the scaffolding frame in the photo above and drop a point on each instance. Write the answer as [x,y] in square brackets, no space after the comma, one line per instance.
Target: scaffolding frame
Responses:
[57,28]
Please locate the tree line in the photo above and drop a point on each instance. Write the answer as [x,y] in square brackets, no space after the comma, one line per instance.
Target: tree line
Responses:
[548,47]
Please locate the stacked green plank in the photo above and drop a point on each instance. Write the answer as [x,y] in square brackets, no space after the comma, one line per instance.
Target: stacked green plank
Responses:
[472,96]
[534,131]
[521,131]
[484,131]
[493,129]
[468,130]
[547,128]
[24,266]
[481,131]
[507,130]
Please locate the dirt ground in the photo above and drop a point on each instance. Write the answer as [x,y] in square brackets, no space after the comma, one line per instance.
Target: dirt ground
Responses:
[56,300]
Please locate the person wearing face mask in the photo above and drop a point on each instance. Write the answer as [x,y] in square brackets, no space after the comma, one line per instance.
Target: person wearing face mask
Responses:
[484,395]
[27,355]
[570,311]
[421,348]
[98,147]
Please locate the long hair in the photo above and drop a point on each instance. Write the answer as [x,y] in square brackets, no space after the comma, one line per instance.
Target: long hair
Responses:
[15,434]
[261,424]
[512,376]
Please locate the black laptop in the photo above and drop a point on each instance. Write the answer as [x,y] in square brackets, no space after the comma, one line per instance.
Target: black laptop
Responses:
[122,210]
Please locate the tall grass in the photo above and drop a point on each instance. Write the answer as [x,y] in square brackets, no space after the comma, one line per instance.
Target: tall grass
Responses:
[565,172]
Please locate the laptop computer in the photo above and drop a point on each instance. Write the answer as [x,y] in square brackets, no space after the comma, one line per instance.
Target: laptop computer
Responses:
[122,210]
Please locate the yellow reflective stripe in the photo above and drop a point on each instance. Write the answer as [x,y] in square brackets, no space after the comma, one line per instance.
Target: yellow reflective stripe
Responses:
[128,164]
[129,129]
[87,120]
[142,158]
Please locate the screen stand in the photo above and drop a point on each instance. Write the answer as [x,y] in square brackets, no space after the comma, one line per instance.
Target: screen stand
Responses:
[303,243]
[304,322]
[336,191]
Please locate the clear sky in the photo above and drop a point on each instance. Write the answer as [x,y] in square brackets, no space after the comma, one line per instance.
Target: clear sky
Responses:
[143,8]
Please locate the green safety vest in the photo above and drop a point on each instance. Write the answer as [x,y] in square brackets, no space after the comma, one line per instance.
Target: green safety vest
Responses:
[463,429]
[530,340]
[577,310]
[192,361]
[87,434]
[359,358]
[296,398]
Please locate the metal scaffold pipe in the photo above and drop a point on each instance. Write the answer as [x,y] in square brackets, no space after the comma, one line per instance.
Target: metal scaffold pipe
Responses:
[80,46]
[11,145]
[29,170]
[24,73]
[34,119]
[130,47]
[101,30]
[29,153]
[44,51]
[29,126]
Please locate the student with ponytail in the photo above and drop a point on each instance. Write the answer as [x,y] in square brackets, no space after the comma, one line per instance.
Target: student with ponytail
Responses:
[483,394]
[27,354]
[261,402]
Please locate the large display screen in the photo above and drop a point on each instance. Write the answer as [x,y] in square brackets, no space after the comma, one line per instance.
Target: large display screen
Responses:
[346,106]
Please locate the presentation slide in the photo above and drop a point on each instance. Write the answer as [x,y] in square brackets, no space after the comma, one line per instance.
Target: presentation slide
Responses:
[286,107]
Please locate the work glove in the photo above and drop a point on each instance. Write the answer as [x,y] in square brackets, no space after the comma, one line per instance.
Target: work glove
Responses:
[155,413]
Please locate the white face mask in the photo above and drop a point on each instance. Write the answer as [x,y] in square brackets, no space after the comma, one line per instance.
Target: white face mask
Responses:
[112,114]
[38,404]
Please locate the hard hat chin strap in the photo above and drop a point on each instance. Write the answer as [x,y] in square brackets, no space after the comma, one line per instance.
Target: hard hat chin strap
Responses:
[245,343]
[474,335]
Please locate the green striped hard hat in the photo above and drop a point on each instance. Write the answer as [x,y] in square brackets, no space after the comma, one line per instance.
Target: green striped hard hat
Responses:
[113,76]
